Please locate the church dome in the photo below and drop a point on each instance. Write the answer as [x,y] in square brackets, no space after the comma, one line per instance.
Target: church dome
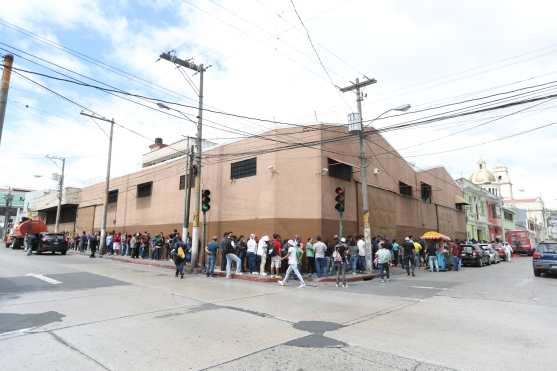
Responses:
[482,175]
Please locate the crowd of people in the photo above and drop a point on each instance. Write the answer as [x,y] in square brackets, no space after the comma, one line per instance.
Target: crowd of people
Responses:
[279,258]
[137,246]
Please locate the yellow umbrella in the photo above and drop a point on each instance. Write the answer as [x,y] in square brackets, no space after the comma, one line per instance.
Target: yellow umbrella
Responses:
[433,235]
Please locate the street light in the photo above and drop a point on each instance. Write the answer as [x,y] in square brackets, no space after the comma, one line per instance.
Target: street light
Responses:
[164,106]
[402,108]
[60,179]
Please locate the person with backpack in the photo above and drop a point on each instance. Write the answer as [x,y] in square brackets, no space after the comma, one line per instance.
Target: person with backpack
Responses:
[93,241]
[292,257]
[179,256]
[408,257]
[230,251]
[339,258]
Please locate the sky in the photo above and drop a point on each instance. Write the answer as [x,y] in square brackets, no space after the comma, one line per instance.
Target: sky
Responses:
[423,53]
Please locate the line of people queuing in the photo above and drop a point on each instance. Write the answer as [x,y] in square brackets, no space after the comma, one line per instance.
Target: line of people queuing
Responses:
[279,257]
[137,245]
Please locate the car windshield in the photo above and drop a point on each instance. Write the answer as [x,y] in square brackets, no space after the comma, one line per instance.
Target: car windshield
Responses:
[547,248]
[467,249]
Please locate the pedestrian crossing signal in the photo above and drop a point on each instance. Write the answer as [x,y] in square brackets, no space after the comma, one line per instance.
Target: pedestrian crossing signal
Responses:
[339,199]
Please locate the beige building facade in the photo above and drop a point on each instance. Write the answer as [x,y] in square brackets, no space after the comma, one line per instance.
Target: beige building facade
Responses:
[264,186]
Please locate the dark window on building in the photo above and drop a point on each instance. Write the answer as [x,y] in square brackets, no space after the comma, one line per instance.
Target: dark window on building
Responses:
[405,189]
[339,170]
[144,189]
[113,196]
[243,169]
[426,192]
[182,184]
[459,207]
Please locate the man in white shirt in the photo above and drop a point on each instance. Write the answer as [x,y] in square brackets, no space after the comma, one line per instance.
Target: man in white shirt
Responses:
[361,253]
[320,261]
[262,253]
[252,253]
[292,257]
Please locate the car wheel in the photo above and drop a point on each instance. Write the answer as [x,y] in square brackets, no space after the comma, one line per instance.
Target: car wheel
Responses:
[63,252]
[537,273]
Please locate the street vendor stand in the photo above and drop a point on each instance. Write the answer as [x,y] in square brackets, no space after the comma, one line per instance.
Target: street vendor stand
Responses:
[439,240]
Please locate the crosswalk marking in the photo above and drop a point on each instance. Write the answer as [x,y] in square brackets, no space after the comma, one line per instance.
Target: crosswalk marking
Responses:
[429,287]
[52,281]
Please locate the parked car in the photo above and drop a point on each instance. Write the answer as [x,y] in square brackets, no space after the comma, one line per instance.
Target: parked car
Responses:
[474,255]
[500,248]
[544,258]
[53,242]
[493,255]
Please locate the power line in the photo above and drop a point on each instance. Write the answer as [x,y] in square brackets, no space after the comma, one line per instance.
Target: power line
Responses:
[487,142]
[479,125]
[416,122]
[91,60]
[315,50]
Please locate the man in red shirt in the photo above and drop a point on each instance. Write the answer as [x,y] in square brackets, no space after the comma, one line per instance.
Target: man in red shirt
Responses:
[276,257]
[456,250]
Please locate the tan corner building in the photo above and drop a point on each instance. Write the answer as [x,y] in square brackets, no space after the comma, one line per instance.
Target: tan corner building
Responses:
[263,186]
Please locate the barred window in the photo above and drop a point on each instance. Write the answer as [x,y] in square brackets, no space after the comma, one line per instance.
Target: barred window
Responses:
[144,189]
[243,169]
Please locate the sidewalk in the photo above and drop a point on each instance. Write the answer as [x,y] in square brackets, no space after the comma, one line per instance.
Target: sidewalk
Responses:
[246,276]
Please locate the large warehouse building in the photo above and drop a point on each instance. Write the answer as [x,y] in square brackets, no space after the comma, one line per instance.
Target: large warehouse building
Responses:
[272,183]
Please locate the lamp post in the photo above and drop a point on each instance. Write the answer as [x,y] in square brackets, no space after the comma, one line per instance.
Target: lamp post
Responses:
[60,179]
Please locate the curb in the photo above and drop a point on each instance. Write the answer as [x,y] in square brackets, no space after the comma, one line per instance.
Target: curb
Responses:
[245,276]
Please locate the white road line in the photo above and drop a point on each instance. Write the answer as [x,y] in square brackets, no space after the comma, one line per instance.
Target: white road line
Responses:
[429,287]
[52,281]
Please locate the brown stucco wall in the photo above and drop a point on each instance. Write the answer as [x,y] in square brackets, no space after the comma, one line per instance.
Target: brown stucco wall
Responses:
[289,195]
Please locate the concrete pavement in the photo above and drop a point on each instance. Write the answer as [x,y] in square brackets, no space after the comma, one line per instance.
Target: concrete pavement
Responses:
[105,315]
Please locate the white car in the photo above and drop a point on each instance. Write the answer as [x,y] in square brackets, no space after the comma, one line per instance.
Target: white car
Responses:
[493,255]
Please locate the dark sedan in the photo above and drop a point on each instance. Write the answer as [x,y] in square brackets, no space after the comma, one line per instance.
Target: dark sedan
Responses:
[53,242]
[544,258]
[474,255]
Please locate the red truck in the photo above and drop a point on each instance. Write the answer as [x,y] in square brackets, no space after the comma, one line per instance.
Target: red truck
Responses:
[33,227]
[522,242]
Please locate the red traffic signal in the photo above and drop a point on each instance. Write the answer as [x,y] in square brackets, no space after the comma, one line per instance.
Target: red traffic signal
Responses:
[339,199]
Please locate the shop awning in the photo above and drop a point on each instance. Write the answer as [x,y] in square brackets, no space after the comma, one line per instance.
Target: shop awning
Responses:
[433,235]
[460,201]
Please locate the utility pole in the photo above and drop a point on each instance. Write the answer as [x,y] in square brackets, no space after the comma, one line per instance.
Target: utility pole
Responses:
[363,164]
[60,190]
[102,246]
[187,189]
[6,74]
[195,227]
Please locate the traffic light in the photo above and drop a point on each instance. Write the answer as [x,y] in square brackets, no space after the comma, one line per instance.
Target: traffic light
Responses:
[205,200]
[339,191]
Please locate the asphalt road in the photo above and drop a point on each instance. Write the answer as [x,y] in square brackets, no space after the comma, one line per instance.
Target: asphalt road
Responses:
[75,313]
